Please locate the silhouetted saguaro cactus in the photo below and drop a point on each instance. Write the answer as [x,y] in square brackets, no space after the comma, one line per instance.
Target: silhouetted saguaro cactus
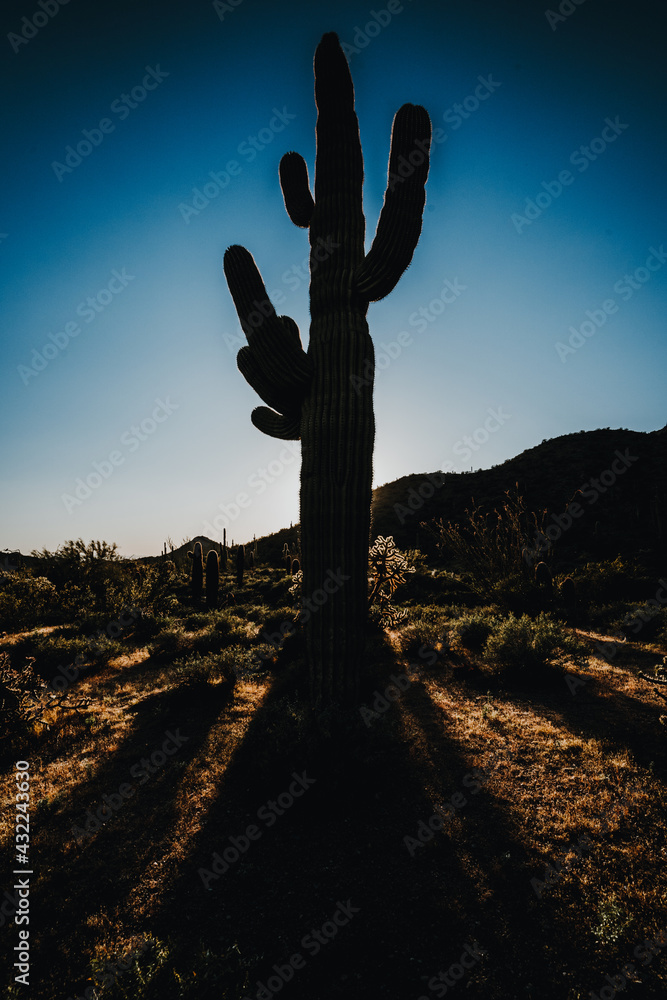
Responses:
[543,575]
[568,591]
[212,579]
[240,565]
[197,557]
[325,396]
[295,566]
[223,551]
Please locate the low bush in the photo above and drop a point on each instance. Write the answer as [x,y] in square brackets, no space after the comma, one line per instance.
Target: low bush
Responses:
[27,601]
[525,646]
[473,629]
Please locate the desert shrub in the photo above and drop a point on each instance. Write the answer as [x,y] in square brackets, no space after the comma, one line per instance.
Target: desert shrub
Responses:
[49,652]
[196,669]
[613,579]
[524,645]
[196,621]
[473,629]
[425,626]
[170,640]
[20,707]
[490,546]
[28,601]
[644,623]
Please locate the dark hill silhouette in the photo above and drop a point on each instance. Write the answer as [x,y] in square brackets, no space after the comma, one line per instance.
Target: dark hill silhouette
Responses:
[626,516]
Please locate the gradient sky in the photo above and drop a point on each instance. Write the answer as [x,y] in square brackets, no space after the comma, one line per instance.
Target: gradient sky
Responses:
[162,338]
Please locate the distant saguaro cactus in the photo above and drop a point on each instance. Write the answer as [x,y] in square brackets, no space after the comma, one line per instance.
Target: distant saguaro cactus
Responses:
[197,579]
[223,551]
[325,396]
[543,575]
[212,579]
[568,591]
[296,566]
[240,565]
[251,559]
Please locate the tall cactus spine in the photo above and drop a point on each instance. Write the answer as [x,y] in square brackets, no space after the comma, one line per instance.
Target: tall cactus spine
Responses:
[325,396]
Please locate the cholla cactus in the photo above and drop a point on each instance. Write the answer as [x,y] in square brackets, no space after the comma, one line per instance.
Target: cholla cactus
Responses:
[297,581]
[388,568]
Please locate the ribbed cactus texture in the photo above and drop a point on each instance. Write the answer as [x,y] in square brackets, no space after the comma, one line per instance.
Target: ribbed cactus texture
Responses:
[212,579]
[325,396]
[197,557]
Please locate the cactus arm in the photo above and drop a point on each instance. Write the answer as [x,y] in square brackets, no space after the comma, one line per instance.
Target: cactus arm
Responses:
[274,362]
[287,427]
[275,343]
[296,189]
[400,222]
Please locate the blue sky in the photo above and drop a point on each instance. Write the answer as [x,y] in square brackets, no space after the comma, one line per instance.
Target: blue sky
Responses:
[545,225]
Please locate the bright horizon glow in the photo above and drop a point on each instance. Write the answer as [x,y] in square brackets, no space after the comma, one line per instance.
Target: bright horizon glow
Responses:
[479,313]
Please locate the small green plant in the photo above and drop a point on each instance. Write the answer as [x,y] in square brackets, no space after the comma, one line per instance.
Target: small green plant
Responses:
[613,919]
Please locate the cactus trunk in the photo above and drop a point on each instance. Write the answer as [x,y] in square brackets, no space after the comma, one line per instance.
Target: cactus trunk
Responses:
[325,396]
